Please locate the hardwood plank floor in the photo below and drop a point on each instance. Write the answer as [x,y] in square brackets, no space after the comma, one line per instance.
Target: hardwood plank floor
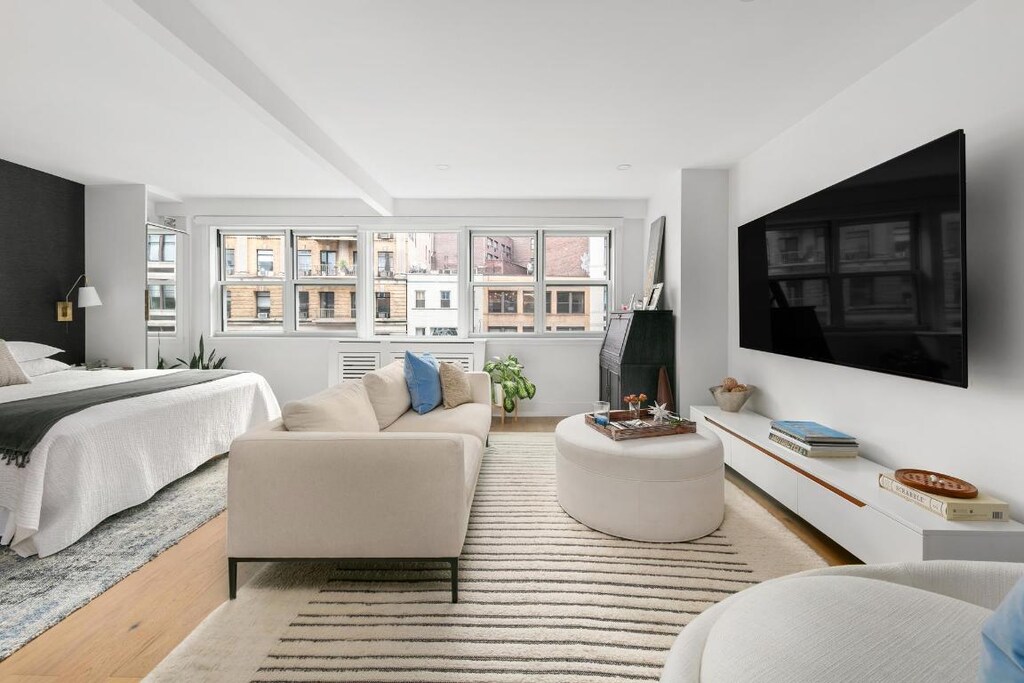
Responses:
[121,635]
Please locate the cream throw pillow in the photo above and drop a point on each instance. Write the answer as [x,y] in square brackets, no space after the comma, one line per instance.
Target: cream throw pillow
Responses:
[10,372]
[342,408]
[455,387]
[389,393]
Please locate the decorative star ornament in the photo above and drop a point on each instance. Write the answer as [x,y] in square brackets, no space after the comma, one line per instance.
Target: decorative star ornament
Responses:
[660,412]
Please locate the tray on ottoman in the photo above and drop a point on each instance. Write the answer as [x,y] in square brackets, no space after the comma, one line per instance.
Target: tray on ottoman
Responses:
[652,429]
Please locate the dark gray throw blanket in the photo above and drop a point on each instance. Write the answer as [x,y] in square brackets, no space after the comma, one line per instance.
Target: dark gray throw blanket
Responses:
[24,423]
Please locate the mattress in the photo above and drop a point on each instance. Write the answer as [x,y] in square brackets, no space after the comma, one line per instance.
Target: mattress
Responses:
[113,456]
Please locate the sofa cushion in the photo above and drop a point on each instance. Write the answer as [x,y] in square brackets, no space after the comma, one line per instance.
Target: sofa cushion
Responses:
[455,386]
[841,629]
[388,392]
[473,419]
[10,372]
[1003,639]
[424,381]
[342,408]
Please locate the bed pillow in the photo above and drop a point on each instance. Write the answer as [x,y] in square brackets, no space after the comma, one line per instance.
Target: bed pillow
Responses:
[388,392]
[23,351]
[424,380]
[455,386]
[42,366]
[342,408]
[10,372]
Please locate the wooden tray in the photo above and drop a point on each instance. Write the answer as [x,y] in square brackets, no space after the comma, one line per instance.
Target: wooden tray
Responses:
[945,486]
[664,429]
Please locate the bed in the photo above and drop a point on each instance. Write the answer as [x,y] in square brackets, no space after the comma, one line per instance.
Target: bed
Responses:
[109,457]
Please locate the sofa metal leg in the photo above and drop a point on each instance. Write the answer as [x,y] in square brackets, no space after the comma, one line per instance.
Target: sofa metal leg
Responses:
[454,562]
[232,578]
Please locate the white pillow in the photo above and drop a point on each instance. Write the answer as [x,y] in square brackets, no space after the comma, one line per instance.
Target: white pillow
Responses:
[10,372]
[389,392]
[342,408]
[23,351]
[42,366]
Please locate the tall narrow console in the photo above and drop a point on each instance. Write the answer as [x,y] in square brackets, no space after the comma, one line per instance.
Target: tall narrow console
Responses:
[842,499]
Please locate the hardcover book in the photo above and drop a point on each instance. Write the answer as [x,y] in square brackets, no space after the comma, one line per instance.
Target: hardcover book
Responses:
[811,432]
[981,509]
[806,450]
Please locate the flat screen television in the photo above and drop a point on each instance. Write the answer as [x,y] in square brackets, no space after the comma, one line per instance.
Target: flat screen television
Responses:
[868,273]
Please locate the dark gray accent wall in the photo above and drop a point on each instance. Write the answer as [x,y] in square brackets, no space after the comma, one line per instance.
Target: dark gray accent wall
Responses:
[42,253]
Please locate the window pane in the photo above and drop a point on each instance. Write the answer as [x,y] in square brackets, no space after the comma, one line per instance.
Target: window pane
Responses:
[415,278]
[867,247]
[796,250]
[325,307]
[325,256]
[500,309]
[576,309]
[253,256]
[253,307]
[498,258]
[809,293]
[161,277]
[576,257]
[881,300]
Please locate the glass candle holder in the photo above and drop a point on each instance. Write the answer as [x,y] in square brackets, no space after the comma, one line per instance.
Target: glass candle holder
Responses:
[601,409]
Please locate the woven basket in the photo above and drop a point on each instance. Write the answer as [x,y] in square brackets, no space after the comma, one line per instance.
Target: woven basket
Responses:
[731,401]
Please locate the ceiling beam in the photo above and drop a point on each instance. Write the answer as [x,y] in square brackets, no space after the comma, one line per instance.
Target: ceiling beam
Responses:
[179,27]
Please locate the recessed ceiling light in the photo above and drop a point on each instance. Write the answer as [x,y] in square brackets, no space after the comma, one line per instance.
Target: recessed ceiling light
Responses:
[624,167]
[443,167]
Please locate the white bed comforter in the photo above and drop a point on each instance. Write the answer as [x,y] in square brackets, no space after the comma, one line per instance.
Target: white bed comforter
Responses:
[109,457]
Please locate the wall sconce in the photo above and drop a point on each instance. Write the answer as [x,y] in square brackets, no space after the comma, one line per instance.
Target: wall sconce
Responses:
[87,297]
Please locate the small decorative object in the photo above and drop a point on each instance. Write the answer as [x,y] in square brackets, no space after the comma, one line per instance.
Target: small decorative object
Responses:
[653,301]
[601,410]
[660,413]
[730,395]
[664,394]
[937,483]
[634,401]
[507,374]
[622,425]
[200,361]
[654,258]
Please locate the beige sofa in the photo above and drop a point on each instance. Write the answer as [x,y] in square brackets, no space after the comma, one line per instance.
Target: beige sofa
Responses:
[401,493]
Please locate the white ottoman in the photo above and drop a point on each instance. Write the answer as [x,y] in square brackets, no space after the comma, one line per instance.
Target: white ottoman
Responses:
[664,488]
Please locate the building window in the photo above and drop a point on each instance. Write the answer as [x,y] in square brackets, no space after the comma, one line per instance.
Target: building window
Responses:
[352,305]
[527,302]
[328,263]
[385,264]
[384,305]
[570,302]
[304,266]
[446,298]
[501,301]
[262,305]
[502,328]
[229,261]
[327,304]
[264,262]
[421,298]
[303,305]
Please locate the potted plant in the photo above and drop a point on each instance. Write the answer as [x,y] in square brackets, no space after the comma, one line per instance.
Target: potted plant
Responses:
[200,361]
[508,379]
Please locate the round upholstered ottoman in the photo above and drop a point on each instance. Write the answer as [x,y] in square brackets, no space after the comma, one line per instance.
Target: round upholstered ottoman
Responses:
[664,488]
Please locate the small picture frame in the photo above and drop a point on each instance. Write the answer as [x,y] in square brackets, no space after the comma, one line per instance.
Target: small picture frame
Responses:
[655,299]
[632,301]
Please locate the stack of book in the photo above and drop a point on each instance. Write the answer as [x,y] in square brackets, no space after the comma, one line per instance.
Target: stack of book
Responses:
[980,509]
[812,440]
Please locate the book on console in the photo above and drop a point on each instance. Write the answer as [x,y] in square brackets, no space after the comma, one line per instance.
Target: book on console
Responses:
[981,509]
[813,451]
[812,433]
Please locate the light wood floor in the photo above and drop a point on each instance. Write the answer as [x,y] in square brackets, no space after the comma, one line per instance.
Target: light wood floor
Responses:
[121,636]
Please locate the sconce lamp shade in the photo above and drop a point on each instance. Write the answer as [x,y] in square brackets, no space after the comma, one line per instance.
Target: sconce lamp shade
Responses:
[88,297]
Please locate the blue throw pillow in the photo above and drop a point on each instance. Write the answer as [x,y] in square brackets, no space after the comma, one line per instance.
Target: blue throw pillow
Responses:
[1002,638]
[423,376]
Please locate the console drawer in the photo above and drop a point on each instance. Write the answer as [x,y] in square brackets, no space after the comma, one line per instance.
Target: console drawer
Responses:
[770,475]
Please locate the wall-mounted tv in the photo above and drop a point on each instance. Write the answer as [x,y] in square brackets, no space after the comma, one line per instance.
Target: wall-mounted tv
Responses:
[868,273]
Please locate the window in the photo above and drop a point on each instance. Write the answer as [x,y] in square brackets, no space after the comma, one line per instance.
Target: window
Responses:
[264,262]
[385,264]
[161,279]
[446,298]
[258,295]
[413,268]
[384,305]
[528,302]
[421,298]
[421,331]
[501,301]
[502,328]
[570,302]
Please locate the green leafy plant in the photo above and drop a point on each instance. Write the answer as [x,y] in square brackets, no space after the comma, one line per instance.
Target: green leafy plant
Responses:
[200,361]
[507,373]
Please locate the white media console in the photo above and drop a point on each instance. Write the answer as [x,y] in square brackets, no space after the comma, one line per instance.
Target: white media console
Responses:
[841,498]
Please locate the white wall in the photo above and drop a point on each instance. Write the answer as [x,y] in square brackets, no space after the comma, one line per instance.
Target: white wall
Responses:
[965,74]
[695,205]
[565,370]
[115,261]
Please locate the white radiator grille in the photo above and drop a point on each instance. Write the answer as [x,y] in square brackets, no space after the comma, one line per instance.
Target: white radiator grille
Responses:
[465,360]
[355,364]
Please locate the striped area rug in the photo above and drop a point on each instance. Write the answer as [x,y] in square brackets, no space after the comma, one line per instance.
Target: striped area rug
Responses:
[542,597]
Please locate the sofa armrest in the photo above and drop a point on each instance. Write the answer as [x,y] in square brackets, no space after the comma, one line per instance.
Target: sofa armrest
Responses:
[481,384]
[328,494]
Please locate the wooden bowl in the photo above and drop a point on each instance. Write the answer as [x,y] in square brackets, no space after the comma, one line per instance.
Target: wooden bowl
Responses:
[731,401]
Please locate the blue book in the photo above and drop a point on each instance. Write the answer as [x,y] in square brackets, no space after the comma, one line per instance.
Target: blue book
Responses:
[812,432]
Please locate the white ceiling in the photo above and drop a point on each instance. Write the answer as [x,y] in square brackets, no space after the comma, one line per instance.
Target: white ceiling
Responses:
[532,98]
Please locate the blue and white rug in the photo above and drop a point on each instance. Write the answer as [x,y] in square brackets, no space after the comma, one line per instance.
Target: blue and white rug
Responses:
[36,593]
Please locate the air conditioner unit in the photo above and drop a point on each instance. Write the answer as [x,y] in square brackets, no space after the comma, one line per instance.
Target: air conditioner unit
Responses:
[262,315]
